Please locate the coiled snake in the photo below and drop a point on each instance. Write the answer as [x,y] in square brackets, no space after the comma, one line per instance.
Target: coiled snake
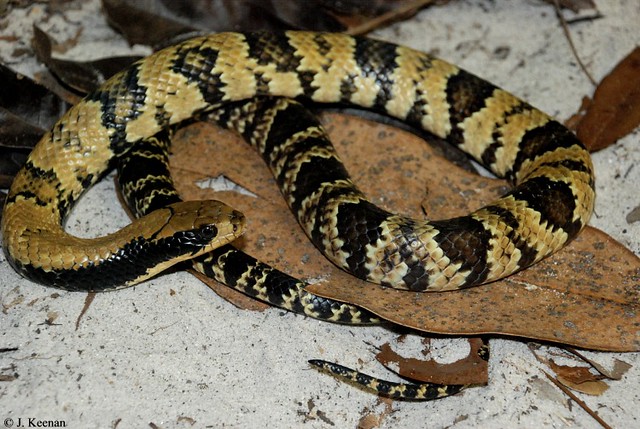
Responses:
[551,170]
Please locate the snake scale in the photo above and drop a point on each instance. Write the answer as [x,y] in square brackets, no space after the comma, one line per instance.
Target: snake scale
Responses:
[550,203]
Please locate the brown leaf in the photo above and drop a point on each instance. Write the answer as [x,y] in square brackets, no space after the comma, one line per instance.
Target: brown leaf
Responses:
[575,374]
[32,103]
[615,110]
[619,367]
[574,120]
[143,22]
[83,77]
[373,418]
[562,299]
[579,378]
[469,370]
[595,388]
[26,110]
[633,215]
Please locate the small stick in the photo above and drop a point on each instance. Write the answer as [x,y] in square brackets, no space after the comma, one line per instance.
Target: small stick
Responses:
[567,34]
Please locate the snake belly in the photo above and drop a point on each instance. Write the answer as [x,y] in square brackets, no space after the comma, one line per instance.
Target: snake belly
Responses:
[550,203]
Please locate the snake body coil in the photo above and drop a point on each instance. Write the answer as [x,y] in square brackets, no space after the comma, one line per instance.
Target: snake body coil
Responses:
[551,202]
[146,185]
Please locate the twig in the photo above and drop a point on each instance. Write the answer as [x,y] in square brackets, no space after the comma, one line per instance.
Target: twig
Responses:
[578,401]
[567,34]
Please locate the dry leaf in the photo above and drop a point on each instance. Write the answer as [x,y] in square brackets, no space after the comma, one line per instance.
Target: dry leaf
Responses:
[615,110]
[469,370]
[52,316]
[30,102]
[80,76]
[633,215]
[594,388]
[574,120]
[563,299]
[579,377]
[619,367]
[143,22]
[575,374]
[152,22]
[373,418]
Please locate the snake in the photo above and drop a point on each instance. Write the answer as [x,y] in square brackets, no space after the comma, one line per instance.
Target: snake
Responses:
[146,185]
[550,169]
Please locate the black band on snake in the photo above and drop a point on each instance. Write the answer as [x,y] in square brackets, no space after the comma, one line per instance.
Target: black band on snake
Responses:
[552,172]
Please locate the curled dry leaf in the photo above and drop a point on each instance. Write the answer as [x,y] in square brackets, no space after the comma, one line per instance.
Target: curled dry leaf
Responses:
[562,299]
[470,370]
[579,378]
[615,109]
[593,387]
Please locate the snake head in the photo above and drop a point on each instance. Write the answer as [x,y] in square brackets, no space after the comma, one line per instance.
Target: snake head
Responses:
[202,226]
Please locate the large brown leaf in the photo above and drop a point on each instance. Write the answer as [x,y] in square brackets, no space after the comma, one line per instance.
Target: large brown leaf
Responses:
[615,109]
[587,295]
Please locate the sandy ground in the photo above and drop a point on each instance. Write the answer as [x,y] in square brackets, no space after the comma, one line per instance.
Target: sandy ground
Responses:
[171,353]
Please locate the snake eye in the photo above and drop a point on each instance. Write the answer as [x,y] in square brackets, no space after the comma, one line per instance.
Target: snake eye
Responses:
[209,232]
